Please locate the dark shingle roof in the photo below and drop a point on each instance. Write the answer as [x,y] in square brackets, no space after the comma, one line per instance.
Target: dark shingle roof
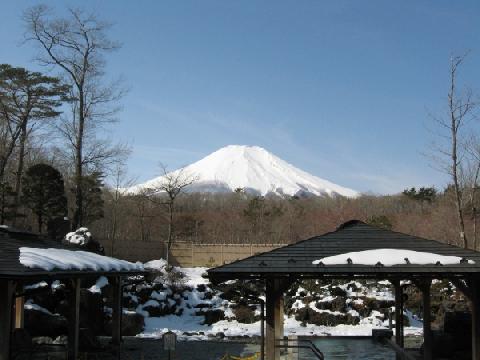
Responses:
[353,236]
[11,240]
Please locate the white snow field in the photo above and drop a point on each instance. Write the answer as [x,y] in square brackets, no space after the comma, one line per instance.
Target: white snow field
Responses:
[389,257]
[253,169]
[49,259]
[188,322]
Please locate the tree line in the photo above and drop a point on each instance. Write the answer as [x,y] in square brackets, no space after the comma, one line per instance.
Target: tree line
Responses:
[53,158]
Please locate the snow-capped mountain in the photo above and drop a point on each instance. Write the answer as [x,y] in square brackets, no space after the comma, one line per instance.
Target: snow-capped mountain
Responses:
[253,169]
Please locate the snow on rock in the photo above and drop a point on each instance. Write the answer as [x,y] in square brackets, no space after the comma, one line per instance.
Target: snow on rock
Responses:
[38,285]
[101,282]
[158,265]
[29,305]
[81,236]
[253,169]
[389,257]
[49,259]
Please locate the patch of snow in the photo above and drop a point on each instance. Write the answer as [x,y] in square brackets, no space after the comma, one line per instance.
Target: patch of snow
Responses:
[156,264]
[49,259]
[390,257]
[29,305]
[35,286]
[56,285]
[101,282]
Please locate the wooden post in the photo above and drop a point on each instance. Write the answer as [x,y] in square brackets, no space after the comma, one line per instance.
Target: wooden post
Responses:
[74,320]
[19,312]
[475,304]
[274,318]
[262,329]
[6,306]
[222,260]
[427,319]
[116,282]
[279,317]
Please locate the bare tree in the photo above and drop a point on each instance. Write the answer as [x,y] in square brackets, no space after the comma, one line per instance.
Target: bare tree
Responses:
[165,193]
[461,107]
[120,182]
[76,46]
[472,177]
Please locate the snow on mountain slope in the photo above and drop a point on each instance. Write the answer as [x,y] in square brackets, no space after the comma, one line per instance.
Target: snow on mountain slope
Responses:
[254,169]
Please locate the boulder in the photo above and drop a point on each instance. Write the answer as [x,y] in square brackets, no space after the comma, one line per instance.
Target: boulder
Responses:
[338,304]
[132,324]
[91,310]
[211,316]
[40,323]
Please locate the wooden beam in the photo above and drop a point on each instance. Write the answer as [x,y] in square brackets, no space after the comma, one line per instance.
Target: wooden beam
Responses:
[19,312]
[7,288]
[74,319]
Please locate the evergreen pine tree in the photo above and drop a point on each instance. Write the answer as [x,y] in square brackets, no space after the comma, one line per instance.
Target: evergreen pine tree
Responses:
[92,185]
[7,203]
[44,193]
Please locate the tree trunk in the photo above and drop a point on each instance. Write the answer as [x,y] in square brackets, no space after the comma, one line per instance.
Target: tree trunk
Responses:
[170,230]
[78,217]
[454,126]
[18,176]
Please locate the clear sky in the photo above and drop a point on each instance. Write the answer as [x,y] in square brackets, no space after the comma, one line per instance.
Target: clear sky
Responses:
[341,89]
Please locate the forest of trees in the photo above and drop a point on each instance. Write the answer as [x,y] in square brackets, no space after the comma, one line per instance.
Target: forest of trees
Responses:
[56,162]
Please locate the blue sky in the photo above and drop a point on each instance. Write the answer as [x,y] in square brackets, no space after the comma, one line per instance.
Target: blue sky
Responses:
[341,89]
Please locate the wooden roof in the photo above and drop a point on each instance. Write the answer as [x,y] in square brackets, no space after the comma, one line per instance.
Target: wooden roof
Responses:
[11,240]
[296,260]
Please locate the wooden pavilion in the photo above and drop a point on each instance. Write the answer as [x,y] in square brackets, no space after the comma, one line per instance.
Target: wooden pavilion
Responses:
[280,267]
[14,275]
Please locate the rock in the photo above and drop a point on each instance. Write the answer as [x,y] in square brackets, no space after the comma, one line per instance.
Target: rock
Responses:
[338,304]
[211,316]
[132,324]
[156,311]
[91,310]
[244,314]
[337,291]
[324,305]
[201,288]
[352,287]
[143,294]
[39,323]
[202,306]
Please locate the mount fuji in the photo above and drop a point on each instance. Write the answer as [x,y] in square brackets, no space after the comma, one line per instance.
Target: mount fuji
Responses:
[253,169]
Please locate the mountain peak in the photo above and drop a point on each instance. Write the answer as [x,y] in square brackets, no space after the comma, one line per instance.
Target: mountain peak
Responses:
[255,170]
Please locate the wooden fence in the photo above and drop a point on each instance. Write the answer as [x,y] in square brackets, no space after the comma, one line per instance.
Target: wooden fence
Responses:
[187,254]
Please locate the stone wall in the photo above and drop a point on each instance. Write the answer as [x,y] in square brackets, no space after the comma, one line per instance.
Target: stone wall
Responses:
[186,254]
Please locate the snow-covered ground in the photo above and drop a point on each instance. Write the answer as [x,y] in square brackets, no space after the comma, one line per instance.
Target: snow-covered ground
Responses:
[190,326]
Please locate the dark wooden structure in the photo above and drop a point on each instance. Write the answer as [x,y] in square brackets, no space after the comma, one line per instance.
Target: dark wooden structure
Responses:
[13,276]
[280,267]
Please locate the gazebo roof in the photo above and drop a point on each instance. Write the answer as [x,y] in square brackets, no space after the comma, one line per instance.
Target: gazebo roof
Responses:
[12,240]
[353,236]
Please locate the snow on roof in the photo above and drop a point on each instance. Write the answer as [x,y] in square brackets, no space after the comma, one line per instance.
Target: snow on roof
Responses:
[49,259]
[389,257]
